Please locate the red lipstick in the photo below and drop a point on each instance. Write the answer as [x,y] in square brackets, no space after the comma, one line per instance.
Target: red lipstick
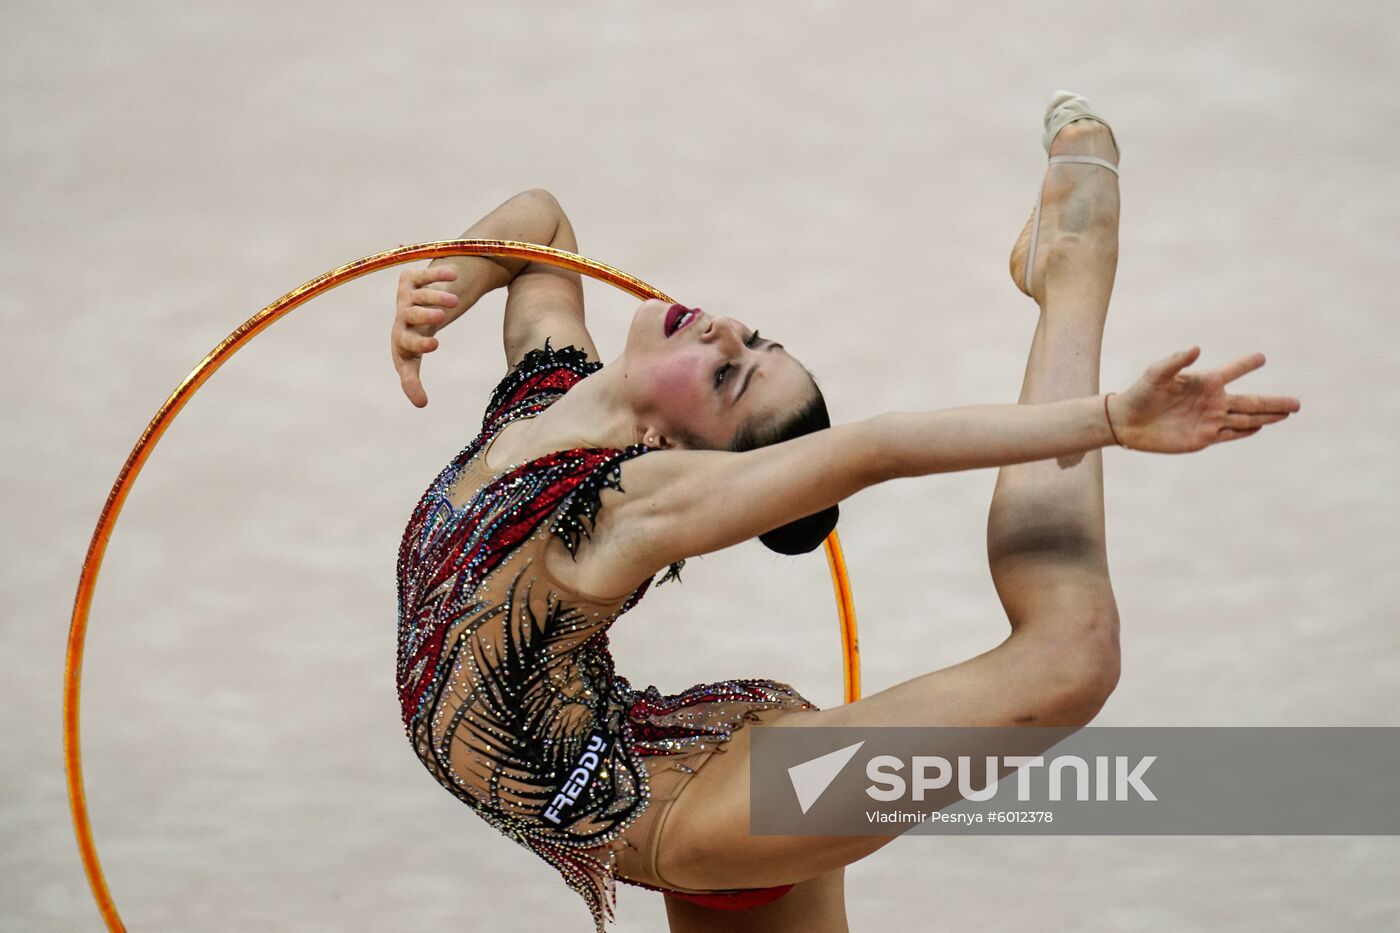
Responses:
[671,324]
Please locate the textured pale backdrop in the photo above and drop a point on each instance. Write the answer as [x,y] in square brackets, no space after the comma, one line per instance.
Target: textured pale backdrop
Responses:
[849,178]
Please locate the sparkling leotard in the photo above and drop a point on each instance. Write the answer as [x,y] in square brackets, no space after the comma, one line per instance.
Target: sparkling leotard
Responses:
[505,680]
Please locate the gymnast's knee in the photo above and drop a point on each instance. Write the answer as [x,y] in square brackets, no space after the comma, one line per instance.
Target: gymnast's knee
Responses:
[1081,667]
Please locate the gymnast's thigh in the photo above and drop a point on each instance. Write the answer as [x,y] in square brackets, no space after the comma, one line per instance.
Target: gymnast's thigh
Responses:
[636,849]
[705,844]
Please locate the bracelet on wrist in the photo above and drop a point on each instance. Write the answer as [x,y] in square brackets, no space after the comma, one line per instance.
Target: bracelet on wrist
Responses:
[1109,419]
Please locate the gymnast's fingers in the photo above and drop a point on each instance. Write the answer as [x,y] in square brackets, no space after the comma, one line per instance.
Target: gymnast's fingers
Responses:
[417,278]
[1164,370]
[424,308]
[1254,404]
[417,315]
[407,339]
[1244,422]
[423,316]
[419,343]
[1233,434]
[429,297]
[1237,368]
[409,380]
[407,344]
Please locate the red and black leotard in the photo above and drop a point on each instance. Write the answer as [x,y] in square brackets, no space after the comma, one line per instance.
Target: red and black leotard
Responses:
[506,683]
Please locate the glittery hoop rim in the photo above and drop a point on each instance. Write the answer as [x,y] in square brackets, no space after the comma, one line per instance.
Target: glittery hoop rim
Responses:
[126,478]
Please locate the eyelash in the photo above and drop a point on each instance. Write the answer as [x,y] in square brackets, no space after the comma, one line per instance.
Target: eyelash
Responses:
[719,374]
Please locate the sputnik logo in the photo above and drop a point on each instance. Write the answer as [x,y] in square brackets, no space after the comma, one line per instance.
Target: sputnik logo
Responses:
[811,778]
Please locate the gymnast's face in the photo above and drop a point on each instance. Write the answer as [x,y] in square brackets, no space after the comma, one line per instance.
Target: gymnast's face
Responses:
[695,378]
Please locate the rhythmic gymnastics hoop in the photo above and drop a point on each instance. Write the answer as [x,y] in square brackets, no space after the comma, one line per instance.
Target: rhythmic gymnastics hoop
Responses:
[87,581]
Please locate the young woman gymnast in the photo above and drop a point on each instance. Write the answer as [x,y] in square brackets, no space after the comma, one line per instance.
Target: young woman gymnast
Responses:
[551,523]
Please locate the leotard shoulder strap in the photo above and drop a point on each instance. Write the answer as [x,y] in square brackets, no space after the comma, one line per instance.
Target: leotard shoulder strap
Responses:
[542,375]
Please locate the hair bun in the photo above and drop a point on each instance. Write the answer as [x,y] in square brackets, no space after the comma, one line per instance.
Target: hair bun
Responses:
[803,535]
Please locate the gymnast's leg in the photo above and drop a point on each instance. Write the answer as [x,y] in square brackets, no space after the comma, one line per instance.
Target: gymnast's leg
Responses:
[1048,556]
[1045,530]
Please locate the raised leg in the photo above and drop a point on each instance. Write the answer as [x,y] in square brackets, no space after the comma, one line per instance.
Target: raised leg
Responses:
[1048,556]
[1045,530]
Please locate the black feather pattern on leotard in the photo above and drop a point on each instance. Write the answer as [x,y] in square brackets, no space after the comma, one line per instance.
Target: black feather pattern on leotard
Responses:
[506,683]
[575,519]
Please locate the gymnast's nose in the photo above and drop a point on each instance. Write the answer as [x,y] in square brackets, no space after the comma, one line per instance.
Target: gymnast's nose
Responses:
[719,328]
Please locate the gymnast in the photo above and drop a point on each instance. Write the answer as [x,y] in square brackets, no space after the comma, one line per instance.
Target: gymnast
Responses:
[551,523]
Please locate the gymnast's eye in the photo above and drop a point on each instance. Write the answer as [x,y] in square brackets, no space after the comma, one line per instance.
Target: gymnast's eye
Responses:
[723,370]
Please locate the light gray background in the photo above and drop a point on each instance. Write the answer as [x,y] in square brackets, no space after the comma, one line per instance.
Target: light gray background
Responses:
[850,178]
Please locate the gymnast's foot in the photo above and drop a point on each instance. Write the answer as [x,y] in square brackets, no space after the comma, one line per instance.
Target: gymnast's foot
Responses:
[1078,211]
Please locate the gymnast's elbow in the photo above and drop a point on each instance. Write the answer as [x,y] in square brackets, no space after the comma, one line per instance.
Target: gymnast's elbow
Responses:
[542,196]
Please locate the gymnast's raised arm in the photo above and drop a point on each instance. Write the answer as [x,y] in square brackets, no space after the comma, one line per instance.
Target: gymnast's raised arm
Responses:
[681,503]
[543,301]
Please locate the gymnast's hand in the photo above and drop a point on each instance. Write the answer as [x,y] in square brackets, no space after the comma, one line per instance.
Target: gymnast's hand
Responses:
[1169,411]
[418,316]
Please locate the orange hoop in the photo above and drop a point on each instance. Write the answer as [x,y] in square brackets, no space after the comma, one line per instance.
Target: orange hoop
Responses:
[87,581]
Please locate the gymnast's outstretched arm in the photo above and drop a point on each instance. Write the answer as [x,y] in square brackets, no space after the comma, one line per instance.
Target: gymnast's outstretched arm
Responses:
[667,510]
[544,301]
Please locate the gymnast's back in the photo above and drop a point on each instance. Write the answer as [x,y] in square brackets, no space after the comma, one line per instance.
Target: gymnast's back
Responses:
[506,685]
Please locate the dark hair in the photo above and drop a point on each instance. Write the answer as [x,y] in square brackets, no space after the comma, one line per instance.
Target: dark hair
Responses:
[804,534]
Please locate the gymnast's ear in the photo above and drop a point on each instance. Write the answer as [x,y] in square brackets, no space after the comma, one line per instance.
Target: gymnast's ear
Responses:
[657,440]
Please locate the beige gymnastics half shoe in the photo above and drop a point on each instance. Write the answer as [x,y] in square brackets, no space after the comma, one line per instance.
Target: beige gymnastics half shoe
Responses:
[1065,107]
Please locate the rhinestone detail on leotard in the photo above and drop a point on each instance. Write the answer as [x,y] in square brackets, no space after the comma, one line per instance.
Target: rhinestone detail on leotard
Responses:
[507,687]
